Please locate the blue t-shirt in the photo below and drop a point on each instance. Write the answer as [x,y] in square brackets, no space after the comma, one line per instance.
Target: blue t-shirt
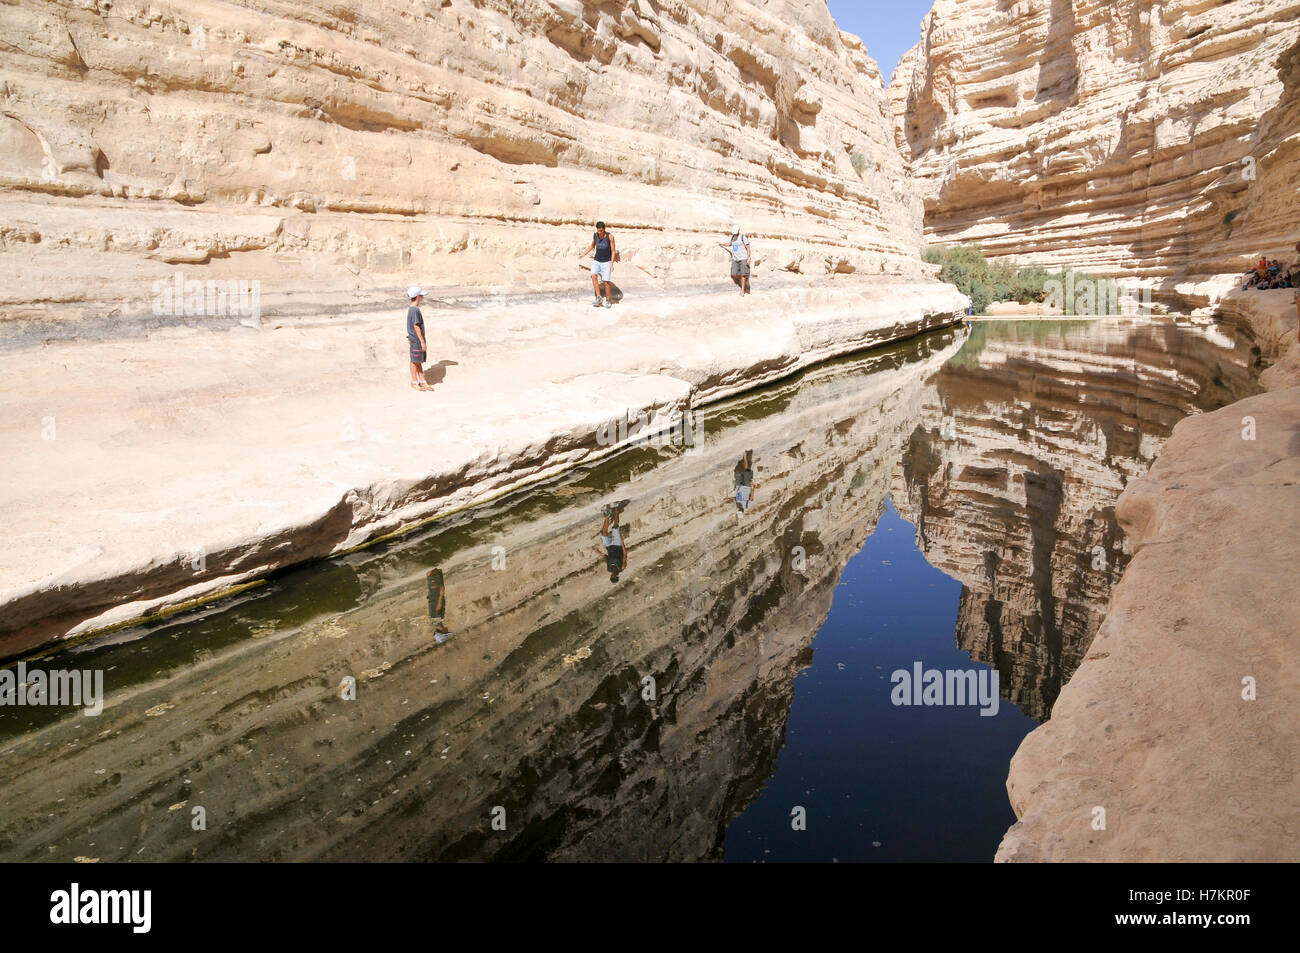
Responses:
[603,251]
[414,318]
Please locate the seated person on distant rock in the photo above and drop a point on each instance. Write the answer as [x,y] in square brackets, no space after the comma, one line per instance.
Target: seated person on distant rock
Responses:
[1295,274]
[602,243]
[740,258]
[1255,278]
[1269,274]
[614,538]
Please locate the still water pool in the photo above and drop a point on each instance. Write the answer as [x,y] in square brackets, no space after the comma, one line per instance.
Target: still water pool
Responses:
[482,689]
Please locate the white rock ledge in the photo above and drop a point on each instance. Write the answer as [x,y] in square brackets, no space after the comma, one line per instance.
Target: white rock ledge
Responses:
[256,449]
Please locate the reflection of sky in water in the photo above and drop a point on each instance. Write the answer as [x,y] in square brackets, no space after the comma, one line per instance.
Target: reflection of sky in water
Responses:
[922,782]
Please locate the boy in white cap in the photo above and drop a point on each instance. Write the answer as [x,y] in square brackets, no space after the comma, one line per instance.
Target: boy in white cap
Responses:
[740,258]
[415,337]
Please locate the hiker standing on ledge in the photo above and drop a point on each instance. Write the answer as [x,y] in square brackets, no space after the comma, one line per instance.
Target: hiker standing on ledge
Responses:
[415,338]
[740,258]
[603,245]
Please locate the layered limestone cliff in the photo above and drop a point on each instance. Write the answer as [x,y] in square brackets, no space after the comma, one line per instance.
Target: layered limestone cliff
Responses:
[1117,137]
[192,195]
[336,152]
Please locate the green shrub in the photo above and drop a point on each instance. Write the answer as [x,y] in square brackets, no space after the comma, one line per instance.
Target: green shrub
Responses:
[985,282]
[965,267]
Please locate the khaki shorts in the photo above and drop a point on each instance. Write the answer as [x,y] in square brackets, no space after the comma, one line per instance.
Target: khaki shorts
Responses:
[740,269]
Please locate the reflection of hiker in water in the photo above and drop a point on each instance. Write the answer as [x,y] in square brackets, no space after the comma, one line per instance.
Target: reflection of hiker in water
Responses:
[438,605]
[614,537]
[743,477]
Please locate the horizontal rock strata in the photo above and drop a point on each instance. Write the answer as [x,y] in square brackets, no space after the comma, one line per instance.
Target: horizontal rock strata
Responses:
[1118,137]
[336,152]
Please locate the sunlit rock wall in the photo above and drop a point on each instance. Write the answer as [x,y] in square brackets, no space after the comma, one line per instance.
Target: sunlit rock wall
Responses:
[1119,137]
[336,150]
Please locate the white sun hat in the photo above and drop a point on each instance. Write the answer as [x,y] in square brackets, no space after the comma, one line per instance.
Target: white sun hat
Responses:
[414,292]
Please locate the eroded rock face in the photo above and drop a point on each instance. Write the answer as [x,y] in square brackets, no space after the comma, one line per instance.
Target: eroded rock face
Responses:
[1025,444]
[342,150]
[1121,137]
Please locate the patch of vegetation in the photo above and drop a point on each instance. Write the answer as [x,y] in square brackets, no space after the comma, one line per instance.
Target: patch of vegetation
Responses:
[985,282]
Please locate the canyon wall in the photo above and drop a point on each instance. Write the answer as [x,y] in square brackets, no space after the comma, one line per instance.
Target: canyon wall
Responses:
[1159,140]
[142,482]
[337,151]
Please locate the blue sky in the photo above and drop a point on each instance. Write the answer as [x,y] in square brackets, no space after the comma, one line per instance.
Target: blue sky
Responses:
[889,27]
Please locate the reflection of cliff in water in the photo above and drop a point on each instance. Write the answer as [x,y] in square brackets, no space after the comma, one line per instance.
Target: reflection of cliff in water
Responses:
[537,699]
[1027,438]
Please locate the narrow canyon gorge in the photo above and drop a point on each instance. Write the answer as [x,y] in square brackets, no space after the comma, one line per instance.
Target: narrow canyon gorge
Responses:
[212,212]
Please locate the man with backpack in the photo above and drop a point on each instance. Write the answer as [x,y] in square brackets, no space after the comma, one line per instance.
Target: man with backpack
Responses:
[602,243]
